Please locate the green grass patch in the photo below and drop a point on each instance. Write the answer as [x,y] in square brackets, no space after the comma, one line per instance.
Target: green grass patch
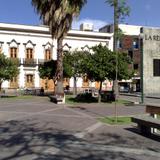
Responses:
[17,97]
[70,99]
[112,120]
[122,101]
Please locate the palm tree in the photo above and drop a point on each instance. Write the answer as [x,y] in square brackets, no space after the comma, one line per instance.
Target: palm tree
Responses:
[58,15]
[121,9]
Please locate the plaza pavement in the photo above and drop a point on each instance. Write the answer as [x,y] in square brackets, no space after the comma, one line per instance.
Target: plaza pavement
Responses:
[36,129]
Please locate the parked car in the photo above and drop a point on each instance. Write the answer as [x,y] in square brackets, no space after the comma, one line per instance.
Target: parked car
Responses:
[87,90]
[93,91]
[124,89]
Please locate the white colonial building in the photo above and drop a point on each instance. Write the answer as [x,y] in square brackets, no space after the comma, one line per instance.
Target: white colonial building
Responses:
[33,45]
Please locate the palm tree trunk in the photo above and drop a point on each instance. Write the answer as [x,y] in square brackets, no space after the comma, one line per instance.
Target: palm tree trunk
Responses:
[59,72]
[99,95]
[116,21]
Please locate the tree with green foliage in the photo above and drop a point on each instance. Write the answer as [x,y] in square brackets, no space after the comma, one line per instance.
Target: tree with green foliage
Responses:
[124,71]
[58,15]
[67,65]
[73,66]
[48,70]
[97,65]
[100,65]
[8,69]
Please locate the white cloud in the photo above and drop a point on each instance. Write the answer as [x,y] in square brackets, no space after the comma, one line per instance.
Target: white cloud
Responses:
[96,23]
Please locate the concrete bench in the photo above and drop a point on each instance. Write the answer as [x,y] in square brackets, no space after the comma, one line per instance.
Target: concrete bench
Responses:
[57,99]
[152,109]
[146,123]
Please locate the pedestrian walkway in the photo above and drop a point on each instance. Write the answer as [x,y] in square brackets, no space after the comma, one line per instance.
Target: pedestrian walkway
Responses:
[40,130]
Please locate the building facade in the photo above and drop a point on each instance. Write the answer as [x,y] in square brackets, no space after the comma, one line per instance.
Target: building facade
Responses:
[129,43]
[150,40]
[33,45]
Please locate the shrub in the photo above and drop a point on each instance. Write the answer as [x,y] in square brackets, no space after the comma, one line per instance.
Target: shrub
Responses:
[85,97]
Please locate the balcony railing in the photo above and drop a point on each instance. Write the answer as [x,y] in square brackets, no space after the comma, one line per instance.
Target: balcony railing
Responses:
[42,61]
[29,62]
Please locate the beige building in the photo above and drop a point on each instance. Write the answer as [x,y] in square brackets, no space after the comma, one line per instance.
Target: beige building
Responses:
[150,40]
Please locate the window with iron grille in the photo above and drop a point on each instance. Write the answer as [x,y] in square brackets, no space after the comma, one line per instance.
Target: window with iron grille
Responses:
[136,66]
[130,53]
[156,67]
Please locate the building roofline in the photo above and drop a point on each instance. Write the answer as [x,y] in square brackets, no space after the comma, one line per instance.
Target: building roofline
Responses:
[131,25]
[45,30]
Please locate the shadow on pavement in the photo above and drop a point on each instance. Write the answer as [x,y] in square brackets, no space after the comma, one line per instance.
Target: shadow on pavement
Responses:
[21,140]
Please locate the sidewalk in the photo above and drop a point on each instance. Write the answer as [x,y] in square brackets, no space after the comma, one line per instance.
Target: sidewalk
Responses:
[138,94]
[37,129]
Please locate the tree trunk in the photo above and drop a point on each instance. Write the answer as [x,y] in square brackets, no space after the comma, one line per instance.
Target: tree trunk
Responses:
[99,95]
[116,21]
[59,73]
[115,39]
[0,86]
[54,81]
[75,86]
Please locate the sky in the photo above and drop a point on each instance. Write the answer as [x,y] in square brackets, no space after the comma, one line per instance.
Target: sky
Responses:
[143,13]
